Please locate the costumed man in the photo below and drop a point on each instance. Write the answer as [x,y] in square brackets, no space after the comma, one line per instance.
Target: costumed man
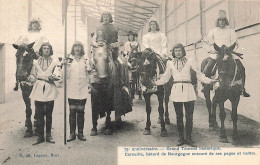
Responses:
[155,39]
[77,90]
[102,99]
[44,74]
[182,92]
[222,35]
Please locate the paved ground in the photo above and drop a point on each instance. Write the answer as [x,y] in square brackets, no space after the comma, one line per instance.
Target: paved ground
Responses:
[102,149]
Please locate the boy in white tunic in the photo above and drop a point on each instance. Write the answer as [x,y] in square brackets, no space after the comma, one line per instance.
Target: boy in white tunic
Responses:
[77,90]
[155,39]
[182,92]
[130,43]
[45,71]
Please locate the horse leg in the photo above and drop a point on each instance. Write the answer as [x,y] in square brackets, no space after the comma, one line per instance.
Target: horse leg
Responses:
[213,125]
[222,116]
[108,130]
[234,103]
[26,90]
[147,130]
[95,99]
[206,93]
[161,114]
[139,87]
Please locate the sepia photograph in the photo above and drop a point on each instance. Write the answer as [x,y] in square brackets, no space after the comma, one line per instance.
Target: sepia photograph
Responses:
[129,82]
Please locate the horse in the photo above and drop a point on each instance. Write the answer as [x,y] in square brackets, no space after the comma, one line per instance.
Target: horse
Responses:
[24,62]
[110,91]
[134,79]
[150,62]
[229,88]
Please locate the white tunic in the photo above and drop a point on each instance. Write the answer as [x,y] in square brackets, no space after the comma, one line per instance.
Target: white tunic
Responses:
[32,36]
[157,41]
[44,91]
[219,36]
[77,80]
[128,45]
[182,92]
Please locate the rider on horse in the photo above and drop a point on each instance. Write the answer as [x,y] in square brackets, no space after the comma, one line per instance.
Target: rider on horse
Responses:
[105,90]
[222,35]
[155,39]
[130,43]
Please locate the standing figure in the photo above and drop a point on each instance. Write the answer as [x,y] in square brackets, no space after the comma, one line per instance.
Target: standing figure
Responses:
[222,35]
[44,73]
[182,92]
[77,90]
[155,39]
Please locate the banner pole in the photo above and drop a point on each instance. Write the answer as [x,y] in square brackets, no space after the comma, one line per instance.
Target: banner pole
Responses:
[65,73]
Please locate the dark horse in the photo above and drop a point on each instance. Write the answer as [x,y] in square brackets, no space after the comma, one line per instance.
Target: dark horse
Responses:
[230,86]
[24,62]
[150,63]
[134,79]
[110,91]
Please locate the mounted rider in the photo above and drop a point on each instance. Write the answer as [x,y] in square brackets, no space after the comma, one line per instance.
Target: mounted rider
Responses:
[130,43]
[155,39]
[222,35]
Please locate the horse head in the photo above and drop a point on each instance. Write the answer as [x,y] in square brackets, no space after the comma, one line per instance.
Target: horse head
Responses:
[24,60]
[225,64]
[147,66]
[100,56]
[134,57]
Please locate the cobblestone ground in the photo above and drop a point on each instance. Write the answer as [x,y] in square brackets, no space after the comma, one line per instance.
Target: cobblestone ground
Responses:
[102,149]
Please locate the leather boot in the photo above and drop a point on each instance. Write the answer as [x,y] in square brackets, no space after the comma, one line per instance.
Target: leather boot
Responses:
[28,124]
[49,138]
[72,119]
[80,117]
[39,140]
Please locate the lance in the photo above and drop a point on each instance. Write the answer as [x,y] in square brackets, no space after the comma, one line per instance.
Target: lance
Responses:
[65,5]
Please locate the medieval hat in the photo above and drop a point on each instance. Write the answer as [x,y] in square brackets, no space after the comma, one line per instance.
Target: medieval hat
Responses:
[153,19]
[222,15]
[132,33]
[77,43]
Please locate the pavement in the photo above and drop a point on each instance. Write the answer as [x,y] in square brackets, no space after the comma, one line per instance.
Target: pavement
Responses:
[102,149]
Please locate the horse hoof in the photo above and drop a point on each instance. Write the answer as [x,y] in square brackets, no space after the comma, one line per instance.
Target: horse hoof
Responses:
[147,132]
[28,134]
[107,132]
[93,132]
[35,123]
[167,121]
[235,142]
[15,88]
[159,121]
[223,139]
[164,133]
[212,128]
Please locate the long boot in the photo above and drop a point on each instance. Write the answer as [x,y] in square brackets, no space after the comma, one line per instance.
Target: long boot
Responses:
[208,68]
[28,123]
[72,120]
[80,120]
[49,138]
[243,76]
